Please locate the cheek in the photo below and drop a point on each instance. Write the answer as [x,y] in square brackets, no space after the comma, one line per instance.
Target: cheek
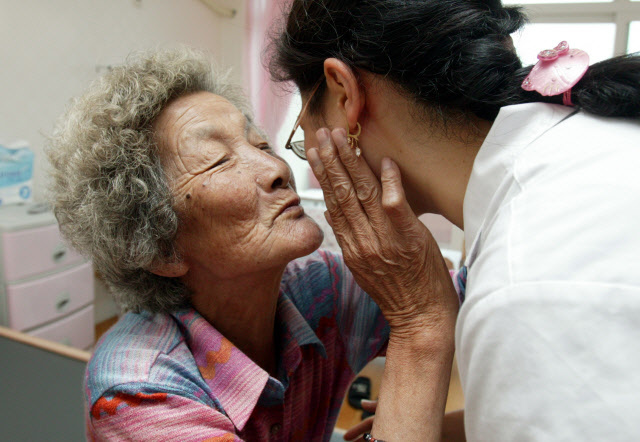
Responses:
[310,139]
[230,203]
[313,123]
[222,206]
[330,120]
[374,160]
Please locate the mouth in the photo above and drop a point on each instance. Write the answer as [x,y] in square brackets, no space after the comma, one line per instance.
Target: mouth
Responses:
[291,206]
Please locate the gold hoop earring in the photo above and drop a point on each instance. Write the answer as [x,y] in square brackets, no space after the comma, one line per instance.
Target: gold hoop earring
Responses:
[353,140]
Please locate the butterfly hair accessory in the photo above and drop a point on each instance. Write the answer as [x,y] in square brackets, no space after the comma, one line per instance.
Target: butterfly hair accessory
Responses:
[557,71]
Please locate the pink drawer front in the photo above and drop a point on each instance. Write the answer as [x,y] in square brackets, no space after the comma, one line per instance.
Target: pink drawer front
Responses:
[32,251]
[76,330]
[35,302]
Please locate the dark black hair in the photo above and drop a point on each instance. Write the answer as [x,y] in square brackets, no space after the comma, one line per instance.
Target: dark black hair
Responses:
[448,55]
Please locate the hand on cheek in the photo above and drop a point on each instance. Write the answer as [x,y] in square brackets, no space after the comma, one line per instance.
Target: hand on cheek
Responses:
[391,253]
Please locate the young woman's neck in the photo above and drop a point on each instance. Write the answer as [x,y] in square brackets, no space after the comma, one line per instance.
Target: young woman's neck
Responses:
[435,163]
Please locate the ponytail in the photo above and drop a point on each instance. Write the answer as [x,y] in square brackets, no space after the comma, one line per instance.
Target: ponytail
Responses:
[611,88]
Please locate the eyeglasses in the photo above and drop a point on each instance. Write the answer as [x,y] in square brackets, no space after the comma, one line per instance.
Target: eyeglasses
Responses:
[298,146]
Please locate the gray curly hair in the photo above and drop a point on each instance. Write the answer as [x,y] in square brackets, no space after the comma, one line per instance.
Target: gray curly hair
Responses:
[109,192]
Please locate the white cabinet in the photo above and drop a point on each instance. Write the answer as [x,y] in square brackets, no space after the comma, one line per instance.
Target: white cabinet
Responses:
[46,289]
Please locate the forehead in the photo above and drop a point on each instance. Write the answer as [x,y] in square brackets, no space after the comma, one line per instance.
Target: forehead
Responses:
[199,110]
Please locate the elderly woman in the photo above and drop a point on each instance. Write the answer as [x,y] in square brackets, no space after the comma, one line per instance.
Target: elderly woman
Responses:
[162,177]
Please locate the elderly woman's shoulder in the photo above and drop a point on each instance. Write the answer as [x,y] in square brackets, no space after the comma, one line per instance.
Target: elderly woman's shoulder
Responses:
[134,344]
[138,330]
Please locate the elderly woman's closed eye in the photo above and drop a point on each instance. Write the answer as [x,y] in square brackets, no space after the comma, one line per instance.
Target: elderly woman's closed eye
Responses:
[234,328]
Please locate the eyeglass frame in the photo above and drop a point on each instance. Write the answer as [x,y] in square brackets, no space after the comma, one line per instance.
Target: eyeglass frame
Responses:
[298,146]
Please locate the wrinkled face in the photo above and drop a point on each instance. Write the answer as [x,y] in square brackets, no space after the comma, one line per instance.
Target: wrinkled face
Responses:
[239,213]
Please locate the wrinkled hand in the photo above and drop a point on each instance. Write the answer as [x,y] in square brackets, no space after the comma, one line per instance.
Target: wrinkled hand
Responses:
[392,255]
[356,433]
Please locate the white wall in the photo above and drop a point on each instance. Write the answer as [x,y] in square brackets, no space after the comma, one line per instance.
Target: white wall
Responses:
[51,49]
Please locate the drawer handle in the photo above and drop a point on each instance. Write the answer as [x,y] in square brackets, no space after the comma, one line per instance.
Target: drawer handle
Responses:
[38,208]
[63,301]
[59,253]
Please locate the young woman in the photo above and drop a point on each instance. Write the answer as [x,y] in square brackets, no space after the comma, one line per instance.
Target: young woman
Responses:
[538,166]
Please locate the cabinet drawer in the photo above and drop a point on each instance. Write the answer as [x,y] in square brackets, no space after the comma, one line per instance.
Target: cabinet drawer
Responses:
[33,251]
[76,330]
[35,302]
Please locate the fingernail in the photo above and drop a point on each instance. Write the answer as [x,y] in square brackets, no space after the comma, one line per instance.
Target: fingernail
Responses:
[386,163]
[340,136]
[323,136]
[312,156]
[366,402]
[328,217]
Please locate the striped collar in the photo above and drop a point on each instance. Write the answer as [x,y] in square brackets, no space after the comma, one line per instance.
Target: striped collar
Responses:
[235,381]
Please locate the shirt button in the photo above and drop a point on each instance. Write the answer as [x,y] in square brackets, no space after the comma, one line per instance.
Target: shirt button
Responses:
[275,428]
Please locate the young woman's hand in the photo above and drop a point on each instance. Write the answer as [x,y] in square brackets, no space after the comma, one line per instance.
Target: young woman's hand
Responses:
[389,250]
[356,433]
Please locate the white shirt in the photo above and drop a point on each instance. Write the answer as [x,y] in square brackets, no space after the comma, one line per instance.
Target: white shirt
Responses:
[548,338]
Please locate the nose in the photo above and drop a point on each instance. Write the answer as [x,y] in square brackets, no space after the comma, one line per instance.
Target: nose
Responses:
[274,172]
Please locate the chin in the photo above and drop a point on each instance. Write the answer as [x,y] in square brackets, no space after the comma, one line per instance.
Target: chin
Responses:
[317,241]
[314,237]
[306,238]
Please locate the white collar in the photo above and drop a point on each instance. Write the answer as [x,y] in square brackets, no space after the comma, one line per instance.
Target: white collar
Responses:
[512,131]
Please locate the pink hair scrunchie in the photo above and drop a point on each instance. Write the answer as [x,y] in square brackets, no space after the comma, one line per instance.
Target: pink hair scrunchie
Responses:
[557,71]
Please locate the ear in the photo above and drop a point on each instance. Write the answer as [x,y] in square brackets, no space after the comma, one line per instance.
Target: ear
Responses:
[170,269]
[344,90]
